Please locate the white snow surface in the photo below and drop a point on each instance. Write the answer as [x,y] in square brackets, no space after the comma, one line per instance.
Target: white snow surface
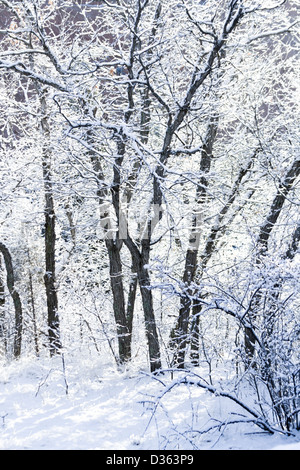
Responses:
[90,405]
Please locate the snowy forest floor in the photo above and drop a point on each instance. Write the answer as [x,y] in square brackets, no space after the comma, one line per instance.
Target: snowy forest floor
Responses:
[89,405]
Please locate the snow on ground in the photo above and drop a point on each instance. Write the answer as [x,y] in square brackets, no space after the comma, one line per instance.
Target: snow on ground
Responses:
[89,405]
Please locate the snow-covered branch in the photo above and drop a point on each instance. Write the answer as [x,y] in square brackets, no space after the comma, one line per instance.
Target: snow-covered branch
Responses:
[22,70]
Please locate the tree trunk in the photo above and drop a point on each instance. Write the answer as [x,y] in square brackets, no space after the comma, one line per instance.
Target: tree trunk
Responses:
[113,245]
[262,248]
[3,332]
[191,267]
[133,282]
[180,334]
[35,329]
[16,300]
[116,280]
[147,300]
[140,259]
[174,122]
[195,333]
[50,238]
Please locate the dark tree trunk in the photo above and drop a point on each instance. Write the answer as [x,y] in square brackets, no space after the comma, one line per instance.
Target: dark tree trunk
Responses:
[262,248]
[35,330]
[3,328]
[140,259]
[174,122]
[50,239]
[49,280]
[133,282]
[180,334]
[147,300]
[114,245]
[16,299]
[195,333]
[116,280]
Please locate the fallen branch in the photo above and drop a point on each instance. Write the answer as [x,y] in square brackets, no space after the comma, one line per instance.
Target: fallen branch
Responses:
[191,378]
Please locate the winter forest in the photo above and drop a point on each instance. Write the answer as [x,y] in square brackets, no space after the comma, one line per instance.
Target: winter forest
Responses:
[149,224]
